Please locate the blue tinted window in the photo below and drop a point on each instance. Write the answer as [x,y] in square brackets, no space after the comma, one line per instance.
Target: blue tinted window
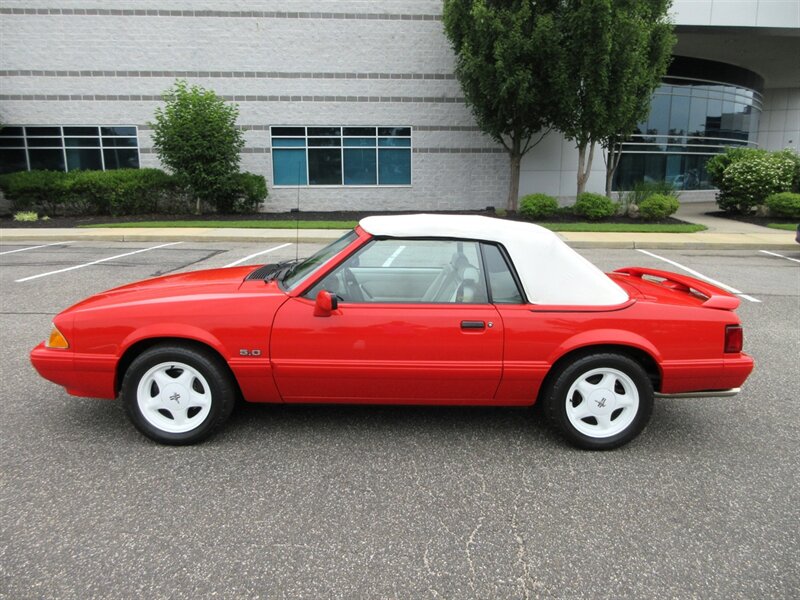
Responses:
[288,143]
[403,142]
[394,167]
[84,158]
[289,167]
[359,155]
[121,158]
[51,160]
[72,147]
[359,142]
[359,167]
[325,166]
[13,160]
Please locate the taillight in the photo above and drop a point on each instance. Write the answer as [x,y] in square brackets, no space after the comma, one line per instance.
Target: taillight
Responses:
[734,338]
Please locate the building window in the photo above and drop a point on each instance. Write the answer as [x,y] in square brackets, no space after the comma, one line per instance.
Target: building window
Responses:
[700,109]
[68,148]
[352,156]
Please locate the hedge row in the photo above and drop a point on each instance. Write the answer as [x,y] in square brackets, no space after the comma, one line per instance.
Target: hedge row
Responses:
[120,192]
[595,207]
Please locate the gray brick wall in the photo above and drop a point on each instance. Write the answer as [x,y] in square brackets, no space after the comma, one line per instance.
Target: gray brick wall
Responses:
[307,63]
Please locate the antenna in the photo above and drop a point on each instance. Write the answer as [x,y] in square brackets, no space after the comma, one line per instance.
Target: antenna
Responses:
[297,220]
[297,227]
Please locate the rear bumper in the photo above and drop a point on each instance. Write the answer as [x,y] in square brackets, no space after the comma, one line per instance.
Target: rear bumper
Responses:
[706,377]
[89,376]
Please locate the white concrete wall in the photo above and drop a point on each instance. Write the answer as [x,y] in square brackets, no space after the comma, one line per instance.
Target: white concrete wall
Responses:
[551,167]
[780,119]
[737,13]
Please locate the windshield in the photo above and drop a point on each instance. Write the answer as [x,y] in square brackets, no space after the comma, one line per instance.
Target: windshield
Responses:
[300,271]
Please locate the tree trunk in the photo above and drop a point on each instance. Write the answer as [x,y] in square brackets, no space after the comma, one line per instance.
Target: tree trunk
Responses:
[513,184]
[584,165]
[612,163]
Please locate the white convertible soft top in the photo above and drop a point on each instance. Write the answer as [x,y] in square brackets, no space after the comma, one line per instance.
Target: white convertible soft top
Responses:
[550,271]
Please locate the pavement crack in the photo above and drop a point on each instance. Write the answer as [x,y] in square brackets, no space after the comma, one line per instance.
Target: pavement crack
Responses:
[468,550]
[521,555]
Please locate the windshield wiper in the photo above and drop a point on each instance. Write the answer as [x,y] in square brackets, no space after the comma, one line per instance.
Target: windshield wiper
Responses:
[287,270]
[278,268]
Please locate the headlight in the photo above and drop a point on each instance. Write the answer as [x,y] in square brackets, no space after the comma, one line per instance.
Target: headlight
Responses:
[57,340]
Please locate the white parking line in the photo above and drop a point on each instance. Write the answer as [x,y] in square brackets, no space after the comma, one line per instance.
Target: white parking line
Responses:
[395,254]
[96,262]
[779,255]
[35,247]
[719,284]
[246,258]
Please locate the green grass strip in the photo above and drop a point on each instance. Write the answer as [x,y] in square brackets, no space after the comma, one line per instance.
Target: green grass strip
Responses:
[626,227]
[263,224]
[259,224]
[783,226]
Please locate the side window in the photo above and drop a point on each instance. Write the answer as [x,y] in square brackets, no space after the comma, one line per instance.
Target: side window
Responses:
[504,289]
[410,271]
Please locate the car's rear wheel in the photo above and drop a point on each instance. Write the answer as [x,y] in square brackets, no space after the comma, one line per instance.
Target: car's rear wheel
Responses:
[600,401]
[178,394]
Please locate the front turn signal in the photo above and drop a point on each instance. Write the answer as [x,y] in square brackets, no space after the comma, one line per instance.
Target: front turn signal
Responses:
[57,340]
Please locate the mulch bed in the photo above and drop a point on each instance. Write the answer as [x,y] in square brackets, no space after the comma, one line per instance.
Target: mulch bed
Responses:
[9,222]
[755,220]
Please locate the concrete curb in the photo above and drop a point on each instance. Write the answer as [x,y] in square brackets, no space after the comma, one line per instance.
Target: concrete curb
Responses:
[690,241]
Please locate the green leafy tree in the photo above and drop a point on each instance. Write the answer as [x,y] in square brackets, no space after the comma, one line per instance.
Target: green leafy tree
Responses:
[196,137]
[505,53]
[613,56]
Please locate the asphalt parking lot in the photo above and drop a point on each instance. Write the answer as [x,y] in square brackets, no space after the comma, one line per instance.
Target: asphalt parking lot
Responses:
[381,502]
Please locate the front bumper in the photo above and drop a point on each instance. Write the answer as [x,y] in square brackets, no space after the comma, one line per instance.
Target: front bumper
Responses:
[89,376]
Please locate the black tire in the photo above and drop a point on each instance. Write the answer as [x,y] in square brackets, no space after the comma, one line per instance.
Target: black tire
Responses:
[619,406]
[194,396]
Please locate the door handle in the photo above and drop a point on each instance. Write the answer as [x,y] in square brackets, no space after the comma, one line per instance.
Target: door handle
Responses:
[473,325]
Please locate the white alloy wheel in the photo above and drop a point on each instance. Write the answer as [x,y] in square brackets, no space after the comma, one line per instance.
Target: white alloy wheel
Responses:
[174,397]
[602,402]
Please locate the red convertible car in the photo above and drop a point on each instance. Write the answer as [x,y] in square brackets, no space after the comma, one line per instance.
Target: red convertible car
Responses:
[412,309]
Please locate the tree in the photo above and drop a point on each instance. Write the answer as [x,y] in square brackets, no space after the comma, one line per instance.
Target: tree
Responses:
[505,51]
[196,137]
[613,56]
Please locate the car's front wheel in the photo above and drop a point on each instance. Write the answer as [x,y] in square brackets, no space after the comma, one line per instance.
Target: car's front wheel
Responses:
[600,401]
[178,394]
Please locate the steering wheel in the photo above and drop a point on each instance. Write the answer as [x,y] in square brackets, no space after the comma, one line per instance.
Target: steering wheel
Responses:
[351,285]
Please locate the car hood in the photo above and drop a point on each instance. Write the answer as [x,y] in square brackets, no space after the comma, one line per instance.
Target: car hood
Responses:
[210,282]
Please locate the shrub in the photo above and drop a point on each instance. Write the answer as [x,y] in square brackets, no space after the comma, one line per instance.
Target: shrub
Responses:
[196,137]
[247,192]
[658,206]
[26,216]
[594,206]
[793,156]
[785,204]
[716,165]
[28,190]
[537,206]
[747,182]
[116,192]
[645,189]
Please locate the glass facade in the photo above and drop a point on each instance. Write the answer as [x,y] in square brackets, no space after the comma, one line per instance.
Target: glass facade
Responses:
[68,148]
[351,156]
[701,108]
